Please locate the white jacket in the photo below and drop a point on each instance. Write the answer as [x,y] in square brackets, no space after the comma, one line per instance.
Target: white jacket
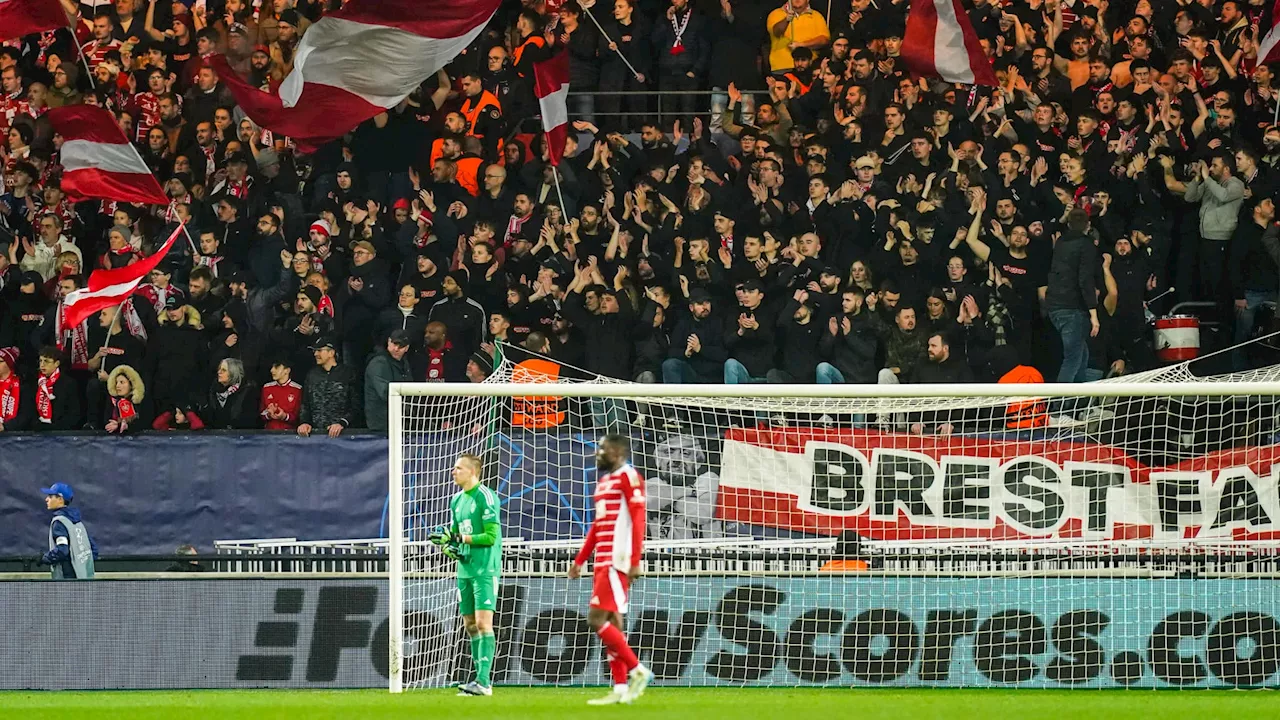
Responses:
[45,258]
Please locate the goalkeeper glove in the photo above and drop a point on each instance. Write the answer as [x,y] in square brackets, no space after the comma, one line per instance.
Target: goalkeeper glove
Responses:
[451,551]
[440,536]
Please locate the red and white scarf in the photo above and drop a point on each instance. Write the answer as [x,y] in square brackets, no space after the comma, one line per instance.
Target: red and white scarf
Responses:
[210,163]
[79,339]
[211,262]
[133,321]
[44,395]
[514,226]
[678,27]
[170,213]
[10,393]
[123,411]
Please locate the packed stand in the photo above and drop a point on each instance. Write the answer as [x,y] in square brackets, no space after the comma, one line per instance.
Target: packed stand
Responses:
[786,204]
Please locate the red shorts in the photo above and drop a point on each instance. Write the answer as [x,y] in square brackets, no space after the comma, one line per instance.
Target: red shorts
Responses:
[610,589]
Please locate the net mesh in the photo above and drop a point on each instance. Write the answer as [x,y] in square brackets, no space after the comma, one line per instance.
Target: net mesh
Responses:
[1122,540]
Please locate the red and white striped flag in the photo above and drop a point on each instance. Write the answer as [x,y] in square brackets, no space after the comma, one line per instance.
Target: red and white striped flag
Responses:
[551,85]
[23,17]
[109,288]
[1269,48]
[940,42]
[358,62]
[98,160]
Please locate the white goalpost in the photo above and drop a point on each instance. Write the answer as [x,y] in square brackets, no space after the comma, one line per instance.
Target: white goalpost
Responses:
[1111,534]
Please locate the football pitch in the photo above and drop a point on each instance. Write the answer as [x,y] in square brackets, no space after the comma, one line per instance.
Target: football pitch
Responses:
[663,703]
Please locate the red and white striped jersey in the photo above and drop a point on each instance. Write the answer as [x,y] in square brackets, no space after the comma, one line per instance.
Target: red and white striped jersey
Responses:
[95,53]
[617,534]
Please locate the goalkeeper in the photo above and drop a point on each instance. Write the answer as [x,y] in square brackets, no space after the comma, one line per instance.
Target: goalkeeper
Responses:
[474,539]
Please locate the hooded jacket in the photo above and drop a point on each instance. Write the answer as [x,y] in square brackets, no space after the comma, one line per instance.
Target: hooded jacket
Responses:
[127,410]
[174,356]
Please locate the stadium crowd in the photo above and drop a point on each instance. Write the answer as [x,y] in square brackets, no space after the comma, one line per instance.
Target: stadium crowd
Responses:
[802,209]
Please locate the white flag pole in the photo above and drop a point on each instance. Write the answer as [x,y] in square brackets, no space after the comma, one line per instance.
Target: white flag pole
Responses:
[586,7]
[555,173]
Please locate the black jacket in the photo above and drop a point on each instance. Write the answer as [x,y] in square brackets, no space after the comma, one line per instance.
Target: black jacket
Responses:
[66,404]
[696,41]
[392,319]
[799,343]
[609,341]
[175,357]
[852,353]
[1250,266]
[708,363]
[756,348]
[1071,274]
[465,319]
[952,370]
[261,302]
[451,368]
[330,396]
[238,412]
[652,343]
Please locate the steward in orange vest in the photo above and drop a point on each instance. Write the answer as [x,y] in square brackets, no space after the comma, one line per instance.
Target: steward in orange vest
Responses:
[532,47]
[1020,414]
[483,114]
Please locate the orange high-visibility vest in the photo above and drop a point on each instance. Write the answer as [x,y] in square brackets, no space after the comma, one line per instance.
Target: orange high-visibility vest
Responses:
[516,54]
[536,413]
[1025,414]
[804,88]
[472,108]
[468,173]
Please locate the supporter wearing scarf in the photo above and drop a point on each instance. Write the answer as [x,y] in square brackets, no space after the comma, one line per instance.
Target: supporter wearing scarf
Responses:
[10,388]
[79,339]
[45,396]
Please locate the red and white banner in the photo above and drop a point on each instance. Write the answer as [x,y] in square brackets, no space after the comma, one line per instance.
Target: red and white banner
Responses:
[358,62]
[109,288]
[906,487]
[23,17]
[551,85]
[97,159]
[940,42]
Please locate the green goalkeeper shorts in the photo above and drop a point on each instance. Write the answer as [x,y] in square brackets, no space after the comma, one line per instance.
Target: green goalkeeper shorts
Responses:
[477,593]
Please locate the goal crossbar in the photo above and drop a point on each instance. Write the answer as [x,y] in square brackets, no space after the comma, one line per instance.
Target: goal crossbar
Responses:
[837,392]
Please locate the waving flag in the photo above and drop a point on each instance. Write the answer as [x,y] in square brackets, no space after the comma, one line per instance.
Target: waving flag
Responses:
[98,160]
[109,288]
[358,62]
[551,85]
[23,17]
[1269,48]
[940,42]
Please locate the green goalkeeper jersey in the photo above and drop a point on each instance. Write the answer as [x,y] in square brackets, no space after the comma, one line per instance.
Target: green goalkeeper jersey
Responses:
[475,513]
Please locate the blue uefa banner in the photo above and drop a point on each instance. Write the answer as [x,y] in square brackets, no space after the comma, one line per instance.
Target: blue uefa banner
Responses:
[905,631]
[837,631]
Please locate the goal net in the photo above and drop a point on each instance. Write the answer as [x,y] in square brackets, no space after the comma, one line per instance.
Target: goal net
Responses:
[1118,534]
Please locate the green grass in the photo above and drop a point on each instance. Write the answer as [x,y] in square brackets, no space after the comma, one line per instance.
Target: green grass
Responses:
[658,703]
